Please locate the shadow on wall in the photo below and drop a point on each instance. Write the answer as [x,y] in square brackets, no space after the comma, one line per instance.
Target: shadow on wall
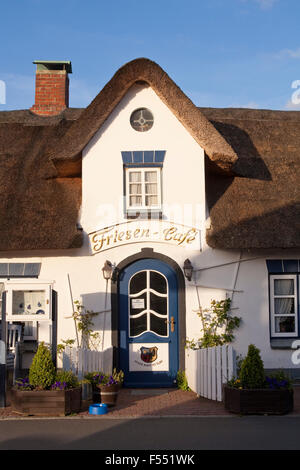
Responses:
[99,303]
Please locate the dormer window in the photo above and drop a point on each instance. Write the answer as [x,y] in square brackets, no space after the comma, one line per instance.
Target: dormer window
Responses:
[143,188]
[142,179]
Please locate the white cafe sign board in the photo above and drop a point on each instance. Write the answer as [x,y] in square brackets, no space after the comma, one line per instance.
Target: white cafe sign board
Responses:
[150,357]
[145,231]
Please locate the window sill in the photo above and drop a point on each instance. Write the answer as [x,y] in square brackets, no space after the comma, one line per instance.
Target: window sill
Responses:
[144,214]
[282,343]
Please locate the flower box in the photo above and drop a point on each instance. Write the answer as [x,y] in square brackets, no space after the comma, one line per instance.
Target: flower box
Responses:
[46,402]
[258,401]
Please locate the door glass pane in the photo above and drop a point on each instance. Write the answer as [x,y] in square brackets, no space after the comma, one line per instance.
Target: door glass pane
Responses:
[28,302]
[284,286]
[141,303]
[138,282]
[285,324]
[138,325]
[158,325]
[138,304]
[158,282]
[158,304]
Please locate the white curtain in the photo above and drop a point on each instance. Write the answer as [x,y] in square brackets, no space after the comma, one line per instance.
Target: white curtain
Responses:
[284,287]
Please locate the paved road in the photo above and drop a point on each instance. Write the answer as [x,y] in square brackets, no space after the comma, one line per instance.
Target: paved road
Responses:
[266,432]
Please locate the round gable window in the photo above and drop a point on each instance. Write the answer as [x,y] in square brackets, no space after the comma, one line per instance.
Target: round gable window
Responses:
[141,120]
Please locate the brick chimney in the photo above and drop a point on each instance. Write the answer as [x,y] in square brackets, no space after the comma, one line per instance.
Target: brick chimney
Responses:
[51,87]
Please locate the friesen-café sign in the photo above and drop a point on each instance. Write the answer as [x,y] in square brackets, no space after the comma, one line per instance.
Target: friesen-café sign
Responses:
[145,231]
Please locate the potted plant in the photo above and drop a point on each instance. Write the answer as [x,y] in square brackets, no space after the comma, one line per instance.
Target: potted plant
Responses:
[252,392]
[46,392]
[107,385]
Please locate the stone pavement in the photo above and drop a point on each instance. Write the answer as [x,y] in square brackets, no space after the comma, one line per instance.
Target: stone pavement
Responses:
[138,403]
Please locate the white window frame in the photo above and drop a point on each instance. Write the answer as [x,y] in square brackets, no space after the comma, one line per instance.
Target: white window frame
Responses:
[143,170]
[274,277]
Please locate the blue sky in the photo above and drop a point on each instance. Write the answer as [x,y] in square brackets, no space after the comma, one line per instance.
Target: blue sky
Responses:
[221,53]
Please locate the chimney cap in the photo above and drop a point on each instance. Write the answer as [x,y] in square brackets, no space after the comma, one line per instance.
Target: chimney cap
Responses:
[54,65]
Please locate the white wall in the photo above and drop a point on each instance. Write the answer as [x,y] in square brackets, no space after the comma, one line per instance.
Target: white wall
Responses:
[183,185]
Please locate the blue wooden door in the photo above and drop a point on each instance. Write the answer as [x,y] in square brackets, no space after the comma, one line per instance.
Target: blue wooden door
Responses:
[148,324]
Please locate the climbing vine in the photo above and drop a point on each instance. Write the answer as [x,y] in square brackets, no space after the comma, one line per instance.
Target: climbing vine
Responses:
[218,325]
[83,319]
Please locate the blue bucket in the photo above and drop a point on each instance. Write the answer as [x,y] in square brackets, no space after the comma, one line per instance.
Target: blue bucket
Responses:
[98,409]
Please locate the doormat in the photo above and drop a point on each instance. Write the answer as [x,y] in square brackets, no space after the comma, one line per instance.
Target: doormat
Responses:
[149,392]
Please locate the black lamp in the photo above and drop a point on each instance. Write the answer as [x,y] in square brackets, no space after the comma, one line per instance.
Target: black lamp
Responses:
[188,269]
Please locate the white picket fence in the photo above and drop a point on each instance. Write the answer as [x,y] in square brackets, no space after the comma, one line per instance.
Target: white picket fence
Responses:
[80,361]
[208,369]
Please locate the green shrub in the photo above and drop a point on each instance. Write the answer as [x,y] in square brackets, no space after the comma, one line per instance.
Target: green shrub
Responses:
[252,373]
[42,370]
[182,382]
[67,377]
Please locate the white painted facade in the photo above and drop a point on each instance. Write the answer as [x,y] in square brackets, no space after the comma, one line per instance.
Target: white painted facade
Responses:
[242,276]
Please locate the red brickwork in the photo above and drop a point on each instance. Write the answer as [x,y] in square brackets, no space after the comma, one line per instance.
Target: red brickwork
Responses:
[51,92]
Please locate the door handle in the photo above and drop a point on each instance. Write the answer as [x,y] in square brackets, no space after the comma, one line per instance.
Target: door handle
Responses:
[172,323]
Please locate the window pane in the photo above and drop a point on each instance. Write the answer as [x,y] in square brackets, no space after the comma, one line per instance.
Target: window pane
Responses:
[135,200]
[284,306]
[28,302]
[158,325]
[285,324]
[158,282]
[138,283]
[284,286]
[151,188]
[150,176]
[135,177]
[135,189]
[151,201]
[138,325]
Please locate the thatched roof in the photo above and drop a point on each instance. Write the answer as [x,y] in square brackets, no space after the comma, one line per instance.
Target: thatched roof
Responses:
[259,208]
[144,70]
[252,168]
[37,211]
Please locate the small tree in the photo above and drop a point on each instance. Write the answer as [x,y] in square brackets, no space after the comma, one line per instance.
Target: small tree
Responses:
[252,373]
[42,370]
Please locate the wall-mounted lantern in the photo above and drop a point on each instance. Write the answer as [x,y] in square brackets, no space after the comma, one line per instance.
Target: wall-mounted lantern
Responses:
[107,270]
[188,269]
